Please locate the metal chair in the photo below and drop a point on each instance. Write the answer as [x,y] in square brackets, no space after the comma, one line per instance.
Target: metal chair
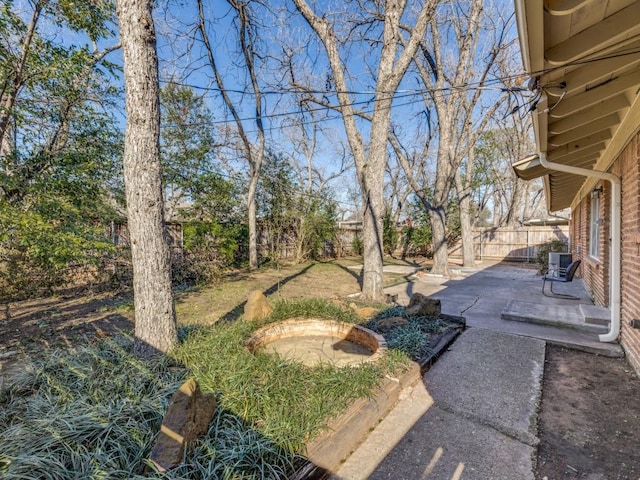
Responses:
[559,277]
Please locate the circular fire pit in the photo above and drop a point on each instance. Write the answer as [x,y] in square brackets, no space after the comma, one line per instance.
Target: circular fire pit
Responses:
[313,341]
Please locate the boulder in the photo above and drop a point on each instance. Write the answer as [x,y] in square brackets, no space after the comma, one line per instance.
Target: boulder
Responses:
[257,306]
[422,306]
[388,324]
[188,417]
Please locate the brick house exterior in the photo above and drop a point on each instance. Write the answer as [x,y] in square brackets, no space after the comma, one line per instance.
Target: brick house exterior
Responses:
[586,120]
[595,271]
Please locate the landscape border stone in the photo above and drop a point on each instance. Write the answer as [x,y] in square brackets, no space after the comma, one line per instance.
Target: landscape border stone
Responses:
[301,326]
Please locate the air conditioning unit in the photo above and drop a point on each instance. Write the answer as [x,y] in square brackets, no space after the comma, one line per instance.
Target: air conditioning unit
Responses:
[558,263]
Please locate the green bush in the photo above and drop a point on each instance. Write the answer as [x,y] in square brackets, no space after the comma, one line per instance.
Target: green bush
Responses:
[39,252]
[209,249]
[542,256]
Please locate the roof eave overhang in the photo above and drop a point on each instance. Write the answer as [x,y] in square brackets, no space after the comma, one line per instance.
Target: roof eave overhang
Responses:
[585,57]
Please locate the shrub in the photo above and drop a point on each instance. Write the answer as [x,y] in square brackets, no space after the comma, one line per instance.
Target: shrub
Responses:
[542,256]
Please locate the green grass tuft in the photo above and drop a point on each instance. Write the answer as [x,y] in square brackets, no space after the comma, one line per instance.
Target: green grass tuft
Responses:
[311,307]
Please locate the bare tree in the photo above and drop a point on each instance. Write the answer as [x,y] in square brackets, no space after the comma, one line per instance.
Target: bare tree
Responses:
[454,70]
[253,151]
[302,132]
[155,318]
[371,158]
[514,200]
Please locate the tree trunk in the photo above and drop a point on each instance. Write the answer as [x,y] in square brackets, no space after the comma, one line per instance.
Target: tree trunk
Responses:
[155,319]
[526,207]
[439,241]
[372,276]
[251,219]
[438,210]
[464,205]
[253,151]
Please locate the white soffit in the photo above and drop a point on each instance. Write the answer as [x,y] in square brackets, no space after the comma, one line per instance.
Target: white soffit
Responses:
[585,55]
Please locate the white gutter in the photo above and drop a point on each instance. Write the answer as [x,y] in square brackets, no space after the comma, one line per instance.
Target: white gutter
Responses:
[522,34]
[614,251]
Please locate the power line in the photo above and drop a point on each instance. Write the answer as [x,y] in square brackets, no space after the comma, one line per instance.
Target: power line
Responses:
[421,91]
[488,85]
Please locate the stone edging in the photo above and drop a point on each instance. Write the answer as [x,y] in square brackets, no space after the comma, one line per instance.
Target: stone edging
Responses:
[301,326]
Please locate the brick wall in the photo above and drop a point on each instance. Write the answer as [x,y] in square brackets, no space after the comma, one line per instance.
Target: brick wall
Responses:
[595,272]
[628,167]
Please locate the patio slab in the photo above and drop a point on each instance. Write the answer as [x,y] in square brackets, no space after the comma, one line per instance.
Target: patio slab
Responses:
[482,294]
[444,445]
[563,316]
[492,378]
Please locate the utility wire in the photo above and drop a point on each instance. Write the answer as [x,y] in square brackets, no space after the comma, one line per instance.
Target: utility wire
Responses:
[467,86]
[488,85]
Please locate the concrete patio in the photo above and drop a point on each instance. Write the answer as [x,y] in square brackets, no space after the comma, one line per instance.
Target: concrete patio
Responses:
[508,298]
[474,415]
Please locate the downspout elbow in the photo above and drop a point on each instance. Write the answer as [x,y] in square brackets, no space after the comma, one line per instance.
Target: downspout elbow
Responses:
[614,251]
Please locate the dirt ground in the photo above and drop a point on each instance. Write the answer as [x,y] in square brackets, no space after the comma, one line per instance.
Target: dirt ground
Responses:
[68,319]
[589,424]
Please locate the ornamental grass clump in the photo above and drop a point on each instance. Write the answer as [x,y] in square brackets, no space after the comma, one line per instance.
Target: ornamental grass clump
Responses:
[95,412]
[92,412]
[312,307]
[413,338]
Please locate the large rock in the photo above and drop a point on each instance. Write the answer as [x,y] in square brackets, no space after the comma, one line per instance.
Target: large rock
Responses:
[422,306]
[257,306]
[188,417]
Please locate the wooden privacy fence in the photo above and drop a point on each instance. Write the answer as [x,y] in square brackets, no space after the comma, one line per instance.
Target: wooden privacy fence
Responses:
[517,244]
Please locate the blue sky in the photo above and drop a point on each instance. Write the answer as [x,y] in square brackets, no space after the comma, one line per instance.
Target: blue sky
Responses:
[181,57]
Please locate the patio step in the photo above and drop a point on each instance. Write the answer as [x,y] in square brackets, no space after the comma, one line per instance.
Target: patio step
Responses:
[563,316]
[595,315]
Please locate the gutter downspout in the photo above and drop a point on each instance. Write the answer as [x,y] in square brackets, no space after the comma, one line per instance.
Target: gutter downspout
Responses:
[614,253]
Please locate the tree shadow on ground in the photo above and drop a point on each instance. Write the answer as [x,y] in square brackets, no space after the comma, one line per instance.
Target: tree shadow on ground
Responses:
[62,322]
[236,312]
[357,276]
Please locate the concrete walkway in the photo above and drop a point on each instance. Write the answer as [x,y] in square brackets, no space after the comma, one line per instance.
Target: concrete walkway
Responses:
[473,416]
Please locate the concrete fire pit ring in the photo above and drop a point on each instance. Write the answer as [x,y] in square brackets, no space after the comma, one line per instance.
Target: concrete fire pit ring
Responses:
[317,327]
